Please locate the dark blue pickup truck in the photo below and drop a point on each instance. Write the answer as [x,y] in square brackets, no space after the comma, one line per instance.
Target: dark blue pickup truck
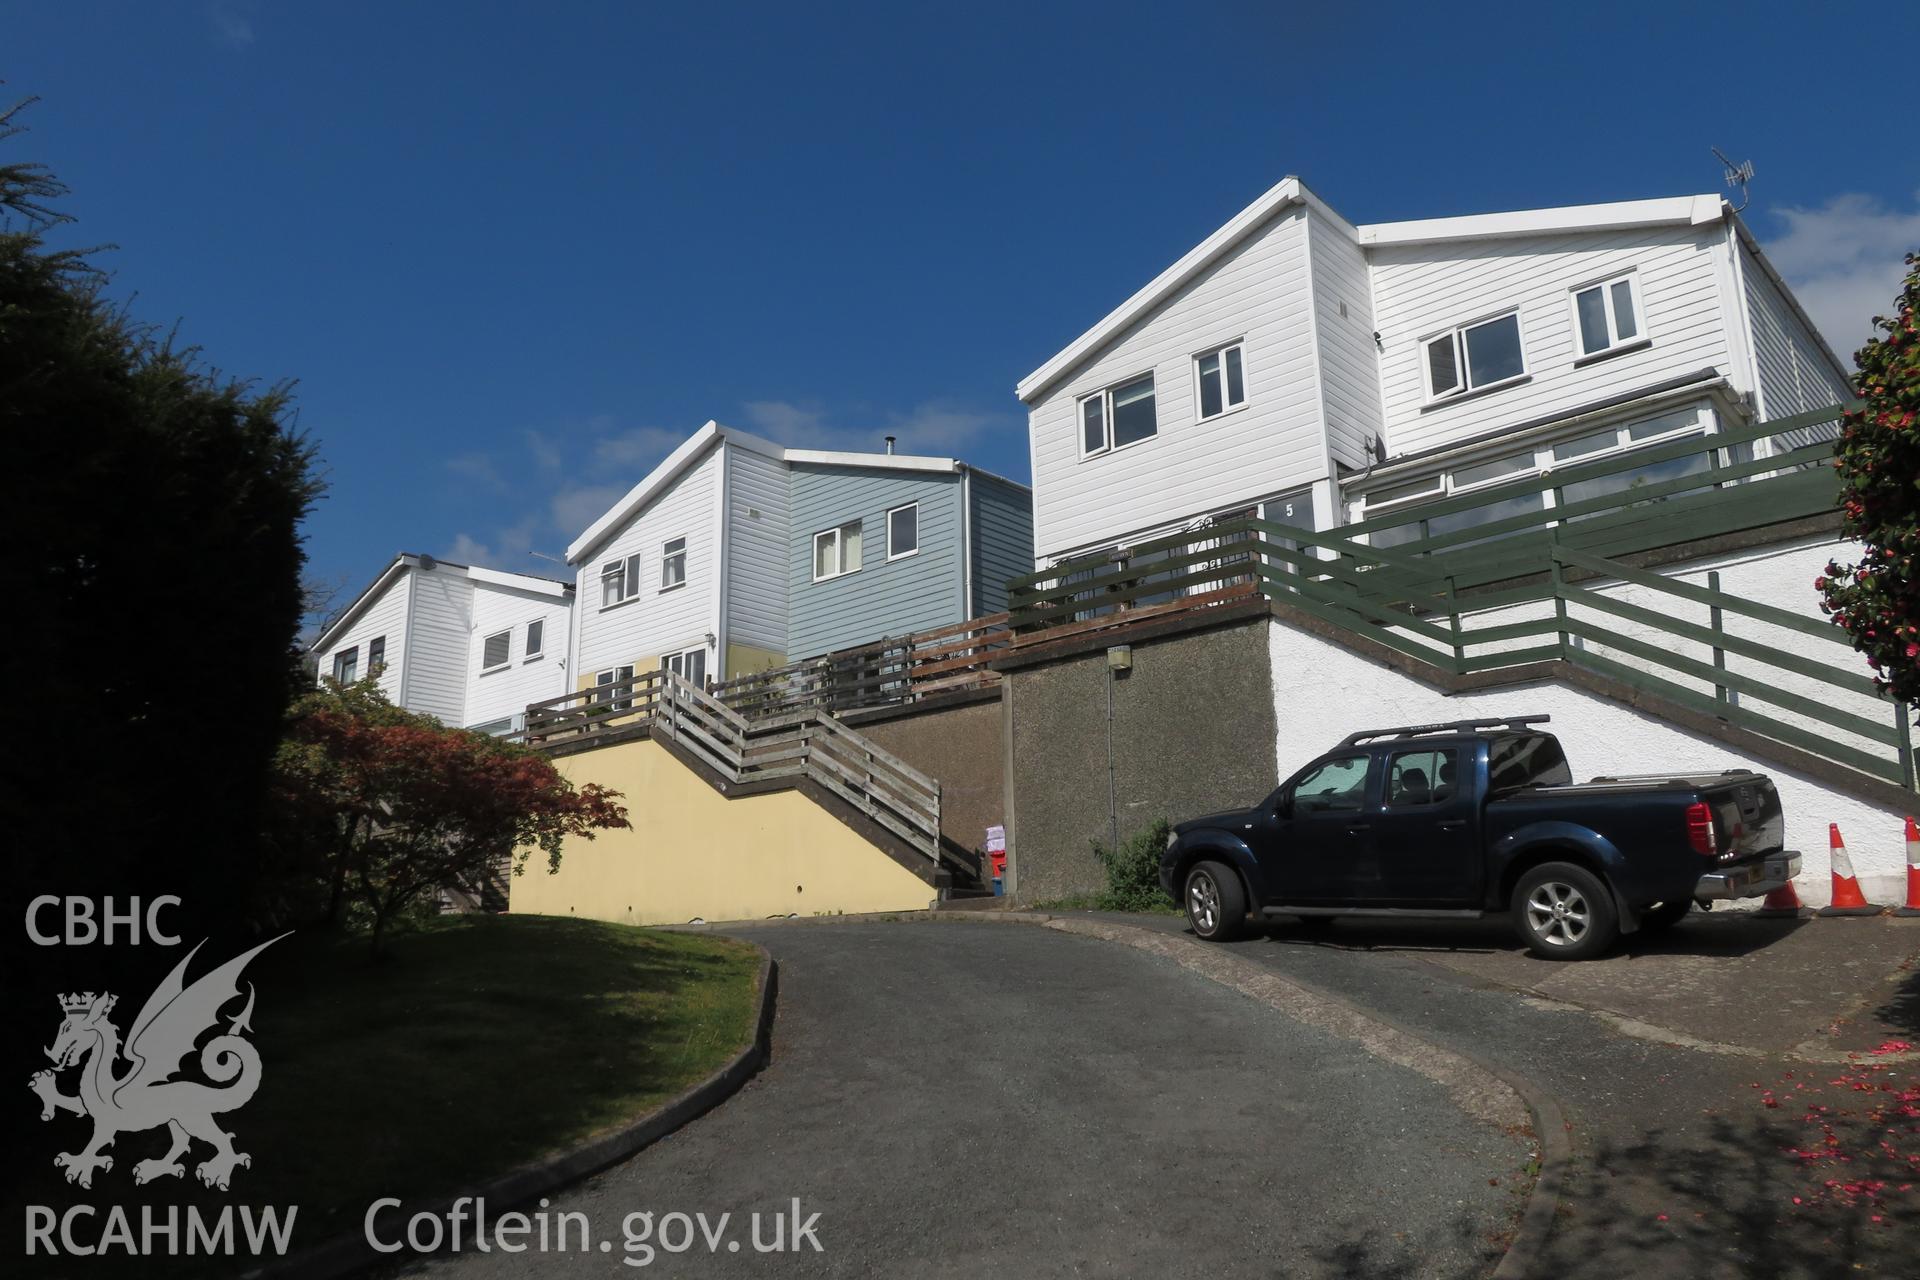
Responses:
[1480,818]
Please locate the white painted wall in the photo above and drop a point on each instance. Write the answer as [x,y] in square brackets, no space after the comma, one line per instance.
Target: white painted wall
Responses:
[1323,692]
[436,678]
[1259,292]
[1420,289]
[500,695]
[758,528]
[384,615]
[1795,374]
[657,622]
[1343,333]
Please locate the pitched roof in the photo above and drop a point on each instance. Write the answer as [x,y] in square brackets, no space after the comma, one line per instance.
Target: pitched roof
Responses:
[695,447]
[1673,211]
[411,560]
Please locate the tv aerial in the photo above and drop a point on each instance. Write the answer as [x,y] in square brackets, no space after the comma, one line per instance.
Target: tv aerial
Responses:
[1737,175]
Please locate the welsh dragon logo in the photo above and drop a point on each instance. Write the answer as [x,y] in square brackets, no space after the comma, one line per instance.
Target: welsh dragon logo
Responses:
[145,1096]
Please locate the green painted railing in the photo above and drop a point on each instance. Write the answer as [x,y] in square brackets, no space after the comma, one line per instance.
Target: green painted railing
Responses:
[1450,600]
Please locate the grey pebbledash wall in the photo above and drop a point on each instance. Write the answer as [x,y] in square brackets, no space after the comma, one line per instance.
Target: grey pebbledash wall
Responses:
[1193,733]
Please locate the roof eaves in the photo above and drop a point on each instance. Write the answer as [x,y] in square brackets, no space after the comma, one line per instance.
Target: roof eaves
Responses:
[637,497]
[1619,215]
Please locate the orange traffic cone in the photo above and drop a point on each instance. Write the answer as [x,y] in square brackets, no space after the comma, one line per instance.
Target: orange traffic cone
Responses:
[1784,901]
[1913,871]
[1847,898]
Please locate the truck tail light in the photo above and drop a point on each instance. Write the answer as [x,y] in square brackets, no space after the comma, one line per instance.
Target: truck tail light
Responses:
[1700,832]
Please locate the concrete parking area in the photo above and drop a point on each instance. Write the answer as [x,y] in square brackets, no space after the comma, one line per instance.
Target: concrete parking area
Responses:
[973,1100]
[1737,1100]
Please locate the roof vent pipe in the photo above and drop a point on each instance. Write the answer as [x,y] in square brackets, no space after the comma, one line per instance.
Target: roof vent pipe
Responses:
[889,446]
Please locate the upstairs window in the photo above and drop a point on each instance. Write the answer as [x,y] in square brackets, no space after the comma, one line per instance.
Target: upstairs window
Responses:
[346,664]
[536,636]
[836,551]
[376,655]
[495,650]
[1118,416]
[673,564]
[1607,315]
[1474,356]
[1221,380]
[619,581]
[903,531]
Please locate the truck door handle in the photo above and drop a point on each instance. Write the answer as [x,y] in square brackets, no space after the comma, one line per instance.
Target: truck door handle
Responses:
[1360,829]
[1453,824]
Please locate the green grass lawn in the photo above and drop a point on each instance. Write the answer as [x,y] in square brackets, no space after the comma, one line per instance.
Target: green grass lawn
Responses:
[476,1044]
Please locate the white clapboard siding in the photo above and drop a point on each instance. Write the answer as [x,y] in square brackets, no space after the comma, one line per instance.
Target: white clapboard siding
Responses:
[1343,324]
[504,693]
[1258,292]
[656,622]
[385,615]
[758,530]
[1420,289]
[1796,375]
[436,678]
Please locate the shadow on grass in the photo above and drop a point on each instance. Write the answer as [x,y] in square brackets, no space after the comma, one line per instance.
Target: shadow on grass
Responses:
[478,1044]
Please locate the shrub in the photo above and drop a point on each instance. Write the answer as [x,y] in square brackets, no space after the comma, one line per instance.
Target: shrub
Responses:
[1133,870]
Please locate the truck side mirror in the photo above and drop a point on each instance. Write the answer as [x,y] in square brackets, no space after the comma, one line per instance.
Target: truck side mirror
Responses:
[1283,807]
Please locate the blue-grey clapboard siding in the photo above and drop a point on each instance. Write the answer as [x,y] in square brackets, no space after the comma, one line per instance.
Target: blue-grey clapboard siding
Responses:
[883,598]
[1002,539]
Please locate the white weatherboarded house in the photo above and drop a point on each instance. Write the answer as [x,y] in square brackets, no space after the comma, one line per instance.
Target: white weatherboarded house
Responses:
[1316,371]
[468,645]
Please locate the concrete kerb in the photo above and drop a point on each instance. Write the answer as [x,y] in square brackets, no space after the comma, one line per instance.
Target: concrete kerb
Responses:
[1480,1088]
[349,1254]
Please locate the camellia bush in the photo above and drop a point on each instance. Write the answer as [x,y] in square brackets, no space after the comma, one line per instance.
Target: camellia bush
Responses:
[1877,600]
[379,807]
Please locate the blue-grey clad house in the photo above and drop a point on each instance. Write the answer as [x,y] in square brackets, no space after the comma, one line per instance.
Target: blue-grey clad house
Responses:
[897,544]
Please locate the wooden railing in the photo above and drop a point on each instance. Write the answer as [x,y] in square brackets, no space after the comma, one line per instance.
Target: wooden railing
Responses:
[806,743]
[1544,586]
[887,672]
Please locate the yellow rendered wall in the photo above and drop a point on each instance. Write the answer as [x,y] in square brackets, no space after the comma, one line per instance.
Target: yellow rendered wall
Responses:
[694,853]
[744,660]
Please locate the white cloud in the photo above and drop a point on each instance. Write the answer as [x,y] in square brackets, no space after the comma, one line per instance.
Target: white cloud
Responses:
[546,453]
[574,509]
[477,468]
[934,427]
[1843,260]
[232,23]
[509,549]
[637,450]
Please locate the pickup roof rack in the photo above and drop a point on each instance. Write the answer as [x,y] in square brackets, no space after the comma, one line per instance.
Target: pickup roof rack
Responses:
[1457,726]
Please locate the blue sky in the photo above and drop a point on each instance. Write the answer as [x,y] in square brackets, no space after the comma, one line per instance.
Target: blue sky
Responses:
[513,256]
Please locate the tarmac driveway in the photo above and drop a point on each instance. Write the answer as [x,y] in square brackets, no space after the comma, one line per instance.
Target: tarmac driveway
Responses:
[967,1100]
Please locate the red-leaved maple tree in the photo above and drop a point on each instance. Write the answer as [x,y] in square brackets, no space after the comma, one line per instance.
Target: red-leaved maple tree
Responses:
[385,806]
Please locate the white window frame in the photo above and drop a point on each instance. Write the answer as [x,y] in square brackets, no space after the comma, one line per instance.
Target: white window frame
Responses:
[914,507]
[839,551]
[1614,341]
[626,571]
[670,660]
[529,651]
[1227,406]
[1458,334]
[669,557]
[1105,396]
[613,676]
[506,639]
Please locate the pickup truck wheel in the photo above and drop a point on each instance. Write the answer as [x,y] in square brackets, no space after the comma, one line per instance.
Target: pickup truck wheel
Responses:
[1564,912]
[1659,918]
[1216,902]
